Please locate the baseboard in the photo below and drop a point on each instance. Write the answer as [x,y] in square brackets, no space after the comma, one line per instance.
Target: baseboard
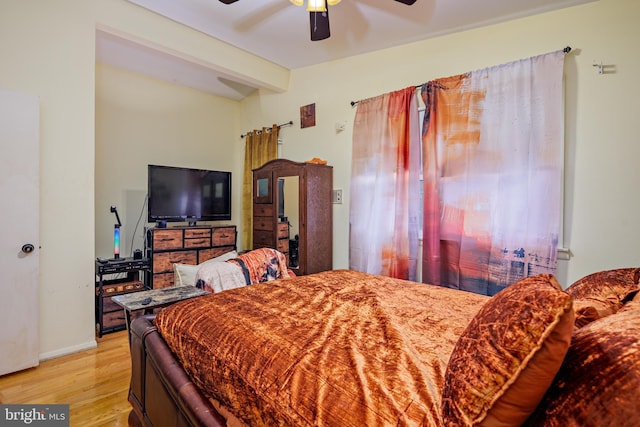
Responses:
[91,344]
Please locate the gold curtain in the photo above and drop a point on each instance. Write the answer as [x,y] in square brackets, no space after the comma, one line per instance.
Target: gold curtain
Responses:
[260,147]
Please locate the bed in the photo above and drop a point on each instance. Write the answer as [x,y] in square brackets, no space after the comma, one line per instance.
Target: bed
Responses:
[343,348]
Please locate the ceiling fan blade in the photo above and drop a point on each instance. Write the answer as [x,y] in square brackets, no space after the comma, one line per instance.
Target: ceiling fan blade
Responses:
[228,1]
[319,25]
[407,2]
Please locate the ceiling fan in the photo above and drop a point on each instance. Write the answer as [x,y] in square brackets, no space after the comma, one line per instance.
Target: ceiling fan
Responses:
[319,15]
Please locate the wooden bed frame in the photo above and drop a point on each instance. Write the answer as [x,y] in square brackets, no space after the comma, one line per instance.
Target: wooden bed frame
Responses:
[160,392]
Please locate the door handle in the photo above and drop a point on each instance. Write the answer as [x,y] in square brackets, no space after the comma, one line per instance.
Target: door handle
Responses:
[27,248]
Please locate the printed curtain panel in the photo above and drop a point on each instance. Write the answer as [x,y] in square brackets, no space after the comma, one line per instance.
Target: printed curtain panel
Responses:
[384,211]
[493,165]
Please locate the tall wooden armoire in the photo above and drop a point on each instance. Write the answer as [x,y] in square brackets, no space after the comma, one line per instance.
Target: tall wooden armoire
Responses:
[293,212]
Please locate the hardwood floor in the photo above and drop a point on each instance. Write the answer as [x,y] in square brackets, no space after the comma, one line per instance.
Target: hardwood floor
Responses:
[94,383]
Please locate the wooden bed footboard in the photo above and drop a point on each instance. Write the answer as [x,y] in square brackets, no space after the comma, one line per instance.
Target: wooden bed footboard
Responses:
[160,392]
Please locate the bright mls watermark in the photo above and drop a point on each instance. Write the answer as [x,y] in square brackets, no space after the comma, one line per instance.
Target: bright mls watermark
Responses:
[34,415]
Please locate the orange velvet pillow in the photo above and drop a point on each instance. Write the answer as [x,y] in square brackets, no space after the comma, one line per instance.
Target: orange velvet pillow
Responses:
[602,294]
[506,359]
[599,380]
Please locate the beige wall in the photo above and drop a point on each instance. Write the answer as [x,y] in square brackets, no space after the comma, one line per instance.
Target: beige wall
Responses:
[602,174]
[141,121]
[48,48]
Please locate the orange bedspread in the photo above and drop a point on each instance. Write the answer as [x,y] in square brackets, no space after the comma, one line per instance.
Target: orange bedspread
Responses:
[338,348]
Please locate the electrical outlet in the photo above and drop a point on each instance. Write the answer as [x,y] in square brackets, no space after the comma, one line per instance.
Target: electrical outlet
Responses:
[337,196]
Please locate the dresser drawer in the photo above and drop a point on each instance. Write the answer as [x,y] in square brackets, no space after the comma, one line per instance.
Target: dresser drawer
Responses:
[224,236]
[262,210]
[163,261]
[163,280]
[109,305]
[197,243]
[197,233]
[263,223]
[207,254]
[283,230]
[263,238]
[113,319]
[283,245]
[167,239]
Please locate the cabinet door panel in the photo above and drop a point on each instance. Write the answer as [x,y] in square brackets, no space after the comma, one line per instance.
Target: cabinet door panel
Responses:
[262,187]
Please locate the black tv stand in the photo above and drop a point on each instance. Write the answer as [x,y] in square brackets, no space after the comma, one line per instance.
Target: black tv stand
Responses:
[132,278]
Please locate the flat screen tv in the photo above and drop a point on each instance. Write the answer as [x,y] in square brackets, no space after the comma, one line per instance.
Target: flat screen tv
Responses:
[188,195]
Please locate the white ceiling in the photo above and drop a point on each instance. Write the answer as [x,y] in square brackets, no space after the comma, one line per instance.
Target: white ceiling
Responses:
[278,31]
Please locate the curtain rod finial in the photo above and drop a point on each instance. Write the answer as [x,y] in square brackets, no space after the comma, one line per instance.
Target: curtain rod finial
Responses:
[567,49]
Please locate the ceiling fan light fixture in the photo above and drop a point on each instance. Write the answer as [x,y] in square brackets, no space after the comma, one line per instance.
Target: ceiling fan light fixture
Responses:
[333,2]
[297,2]
[316,6]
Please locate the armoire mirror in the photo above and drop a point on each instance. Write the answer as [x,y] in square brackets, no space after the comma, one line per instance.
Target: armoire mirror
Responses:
[289,210]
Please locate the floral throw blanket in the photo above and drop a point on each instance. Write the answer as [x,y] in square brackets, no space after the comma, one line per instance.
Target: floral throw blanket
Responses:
[339,348]
[262,265]
[257,266]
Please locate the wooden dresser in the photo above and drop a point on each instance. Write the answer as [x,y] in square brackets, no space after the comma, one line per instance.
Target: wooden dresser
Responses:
[292,203]
[185,245]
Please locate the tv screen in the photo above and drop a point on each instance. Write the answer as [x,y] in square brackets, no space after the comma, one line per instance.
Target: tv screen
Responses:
[188,195]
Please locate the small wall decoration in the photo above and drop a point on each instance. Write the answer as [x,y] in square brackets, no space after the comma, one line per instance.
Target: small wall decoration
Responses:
[308,115]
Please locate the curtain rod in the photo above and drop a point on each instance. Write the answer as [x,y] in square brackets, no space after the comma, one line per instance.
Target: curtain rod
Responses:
[289,123]
[354,103]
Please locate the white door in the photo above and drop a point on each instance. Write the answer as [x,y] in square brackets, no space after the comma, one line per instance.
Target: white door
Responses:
[19,222]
